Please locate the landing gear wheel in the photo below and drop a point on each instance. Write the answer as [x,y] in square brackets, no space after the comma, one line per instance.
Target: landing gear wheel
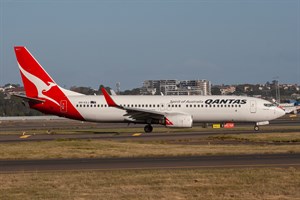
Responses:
[148,128]
[256,128]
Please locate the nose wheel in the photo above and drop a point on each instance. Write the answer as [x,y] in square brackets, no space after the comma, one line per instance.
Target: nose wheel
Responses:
[256,128]
[148,128]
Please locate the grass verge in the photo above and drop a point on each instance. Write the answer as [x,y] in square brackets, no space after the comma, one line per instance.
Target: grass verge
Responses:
[255,183]
[104,149]
[271,137]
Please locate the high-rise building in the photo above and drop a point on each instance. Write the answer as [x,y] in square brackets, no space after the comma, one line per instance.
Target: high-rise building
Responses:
[176,87]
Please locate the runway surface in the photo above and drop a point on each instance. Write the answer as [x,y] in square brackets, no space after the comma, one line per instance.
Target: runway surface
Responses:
[230,161]
[62,123]
[91,131]
[87,130]
[126,136]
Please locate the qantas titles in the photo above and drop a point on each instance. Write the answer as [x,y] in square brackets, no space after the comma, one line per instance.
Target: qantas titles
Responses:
[213,101]
[226,101]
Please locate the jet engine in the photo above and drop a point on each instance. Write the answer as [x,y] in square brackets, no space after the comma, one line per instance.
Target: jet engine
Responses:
[178,120]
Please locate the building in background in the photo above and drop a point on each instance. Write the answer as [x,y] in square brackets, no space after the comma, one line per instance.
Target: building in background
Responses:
[225,90]
[176,87]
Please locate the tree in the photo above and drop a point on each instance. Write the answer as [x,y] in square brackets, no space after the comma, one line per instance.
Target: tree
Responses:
[135,91]
[13,106]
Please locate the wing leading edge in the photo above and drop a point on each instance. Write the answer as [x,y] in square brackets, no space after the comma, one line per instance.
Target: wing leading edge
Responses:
[135,114]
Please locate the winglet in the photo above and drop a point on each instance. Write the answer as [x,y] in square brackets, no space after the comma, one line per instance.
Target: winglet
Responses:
[109,100]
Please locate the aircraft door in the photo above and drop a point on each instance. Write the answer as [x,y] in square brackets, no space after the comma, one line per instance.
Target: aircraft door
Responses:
[253,106]
[63,106]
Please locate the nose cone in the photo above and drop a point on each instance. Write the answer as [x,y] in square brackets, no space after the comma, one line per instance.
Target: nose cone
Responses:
[279,112]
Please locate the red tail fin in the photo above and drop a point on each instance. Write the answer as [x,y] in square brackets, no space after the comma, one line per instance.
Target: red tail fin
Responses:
[35,78]
[50,98]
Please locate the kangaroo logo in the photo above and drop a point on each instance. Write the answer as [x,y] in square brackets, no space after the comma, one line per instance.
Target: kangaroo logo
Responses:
[40,85]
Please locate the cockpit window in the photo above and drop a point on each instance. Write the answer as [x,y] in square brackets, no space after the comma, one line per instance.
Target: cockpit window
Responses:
[269,105]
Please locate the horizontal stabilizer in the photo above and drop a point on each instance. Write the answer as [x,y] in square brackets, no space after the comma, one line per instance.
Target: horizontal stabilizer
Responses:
[29,99]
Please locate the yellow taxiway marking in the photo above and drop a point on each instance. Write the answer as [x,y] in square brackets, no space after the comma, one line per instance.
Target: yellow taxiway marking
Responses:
[24,136]
[136,134]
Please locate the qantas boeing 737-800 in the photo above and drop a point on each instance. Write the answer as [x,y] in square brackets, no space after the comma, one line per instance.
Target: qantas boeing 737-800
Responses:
[43,94]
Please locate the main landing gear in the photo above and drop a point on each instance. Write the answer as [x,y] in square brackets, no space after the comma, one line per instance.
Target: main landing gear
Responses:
[148,128]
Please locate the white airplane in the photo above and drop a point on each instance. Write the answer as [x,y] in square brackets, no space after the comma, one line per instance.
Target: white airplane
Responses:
[43,94]
[289,108]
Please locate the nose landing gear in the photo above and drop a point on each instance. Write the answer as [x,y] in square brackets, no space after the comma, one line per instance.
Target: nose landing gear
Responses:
[256,126]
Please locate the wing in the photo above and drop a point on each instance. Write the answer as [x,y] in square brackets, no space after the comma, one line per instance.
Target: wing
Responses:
[134,114]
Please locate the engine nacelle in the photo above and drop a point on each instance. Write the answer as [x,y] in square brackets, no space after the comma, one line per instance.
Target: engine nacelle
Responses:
[178,120]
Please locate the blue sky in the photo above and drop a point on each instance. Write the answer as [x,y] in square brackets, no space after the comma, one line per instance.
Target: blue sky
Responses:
[88,43]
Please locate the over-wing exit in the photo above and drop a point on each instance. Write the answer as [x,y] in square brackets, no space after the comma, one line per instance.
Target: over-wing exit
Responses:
[43,94]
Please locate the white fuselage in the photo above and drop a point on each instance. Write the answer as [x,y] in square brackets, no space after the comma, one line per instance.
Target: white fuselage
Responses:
[201,108]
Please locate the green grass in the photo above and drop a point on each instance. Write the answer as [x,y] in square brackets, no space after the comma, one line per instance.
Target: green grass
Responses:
[264,137]
[104,149]
[209,184]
